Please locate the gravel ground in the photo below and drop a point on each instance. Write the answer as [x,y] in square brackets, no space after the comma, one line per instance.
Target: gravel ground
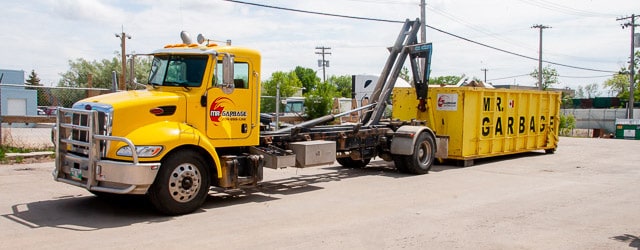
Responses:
[585,196]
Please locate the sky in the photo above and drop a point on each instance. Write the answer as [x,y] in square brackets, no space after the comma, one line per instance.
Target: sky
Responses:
[44,35]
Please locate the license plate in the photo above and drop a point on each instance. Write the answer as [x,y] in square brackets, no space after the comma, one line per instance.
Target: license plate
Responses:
[76,174]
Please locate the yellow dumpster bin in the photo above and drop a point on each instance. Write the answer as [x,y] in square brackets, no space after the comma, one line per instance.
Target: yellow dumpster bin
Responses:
[483,122]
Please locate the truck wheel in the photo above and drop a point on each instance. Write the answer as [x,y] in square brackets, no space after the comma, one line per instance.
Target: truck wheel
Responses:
[351,163]
[182,184]
[400,164]
[423,156]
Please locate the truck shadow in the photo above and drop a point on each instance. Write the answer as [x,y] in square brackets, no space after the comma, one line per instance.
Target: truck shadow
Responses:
[85,213]
[456,164]
[634,241]
[307,183]
[295,185]
[89,213]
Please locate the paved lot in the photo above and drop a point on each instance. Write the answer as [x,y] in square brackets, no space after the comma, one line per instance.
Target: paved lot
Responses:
[586,196]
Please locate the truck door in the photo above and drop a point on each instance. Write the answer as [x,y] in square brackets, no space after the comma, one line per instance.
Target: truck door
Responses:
[231,110]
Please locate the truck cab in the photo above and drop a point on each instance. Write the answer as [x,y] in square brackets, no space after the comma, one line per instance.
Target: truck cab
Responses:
[185,132]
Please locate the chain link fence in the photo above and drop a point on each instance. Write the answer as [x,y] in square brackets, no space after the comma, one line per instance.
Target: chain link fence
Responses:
[599,120]
[26,112]
[46,96]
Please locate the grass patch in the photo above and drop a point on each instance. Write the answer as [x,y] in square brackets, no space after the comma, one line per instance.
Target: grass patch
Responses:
[8,149]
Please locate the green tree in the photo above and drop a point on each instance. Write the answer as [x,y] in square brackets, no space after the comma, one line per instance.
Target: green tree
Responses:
[80,70]
[580,93]
[308,77]
[404,75]
[101,72]
[446,80]
[567,100]
[618,84]
[33,79]
[567,123]
[343,85]
[549,76]
[43,94]
[142,68]
[318,101]
[592,90]
[289,85]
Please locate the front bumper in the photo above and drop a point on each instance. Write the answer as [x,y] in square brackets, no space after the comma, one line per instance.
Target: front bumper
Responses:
[108,176]
[80,140]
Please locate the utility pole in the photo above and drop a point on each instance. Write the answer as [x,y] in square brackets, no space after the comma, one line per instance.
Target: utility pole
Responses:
[541,27]
[277,106]
[485,74]
[323,63]
[123,36]
[633,25]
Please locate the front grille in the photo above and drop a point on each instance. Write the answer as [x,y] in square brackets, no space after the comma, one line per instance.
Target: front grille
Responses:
[80,129]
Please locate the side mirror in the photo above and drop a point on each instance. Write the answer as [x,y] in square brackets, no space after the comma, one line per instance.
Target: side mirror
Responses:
[227,74]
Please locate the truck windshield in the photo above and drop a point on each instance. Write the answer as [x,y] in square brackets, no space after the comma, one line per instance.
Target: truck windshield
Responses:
[177,70]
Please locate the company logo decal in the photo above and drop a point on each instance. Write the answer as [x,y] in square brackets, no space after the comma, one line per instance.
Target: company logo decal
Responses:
[222,109]
[447,102]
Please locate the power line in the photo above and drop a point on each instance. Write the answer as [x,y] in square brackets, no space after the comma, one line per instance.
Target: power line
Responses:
[475,27]
[565,9]
[383,2]
[313,12]
[507,40]
[560,76]
[428,26]
[600,76]
[508,77]
[515,54]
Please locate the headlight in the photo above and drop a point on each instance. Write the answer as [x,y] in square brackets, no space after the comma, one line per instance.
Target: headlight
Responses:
[143,151]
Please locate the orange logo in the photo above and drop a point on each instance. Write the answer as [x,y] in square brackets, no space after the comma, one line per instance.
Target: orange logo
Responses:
[217,110]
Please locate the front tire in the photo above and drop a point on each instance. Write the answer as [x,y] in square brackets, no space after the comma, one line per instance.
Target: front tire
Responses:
[182,184]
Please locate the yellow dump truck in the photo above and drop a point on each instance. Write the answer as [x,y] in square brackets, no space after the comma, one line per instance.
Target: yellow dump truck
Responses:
[197,125]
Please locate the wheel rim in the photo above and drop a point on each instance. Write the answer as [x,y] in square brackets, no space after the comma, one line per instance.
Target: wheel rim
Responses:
[185,182]
[424,154]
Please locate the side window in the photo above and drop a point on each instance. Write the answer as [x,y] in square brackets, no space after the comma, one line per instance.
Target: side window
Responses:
[240,77]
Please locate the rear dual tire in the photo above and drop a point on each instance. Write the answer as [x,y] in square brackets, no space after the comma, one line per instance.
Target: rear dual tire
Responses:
[421,160]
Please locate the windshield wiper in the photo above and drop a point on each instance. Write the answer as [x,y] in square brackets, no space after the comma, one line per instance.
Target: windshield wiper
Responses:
[154,85]
[185,85]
